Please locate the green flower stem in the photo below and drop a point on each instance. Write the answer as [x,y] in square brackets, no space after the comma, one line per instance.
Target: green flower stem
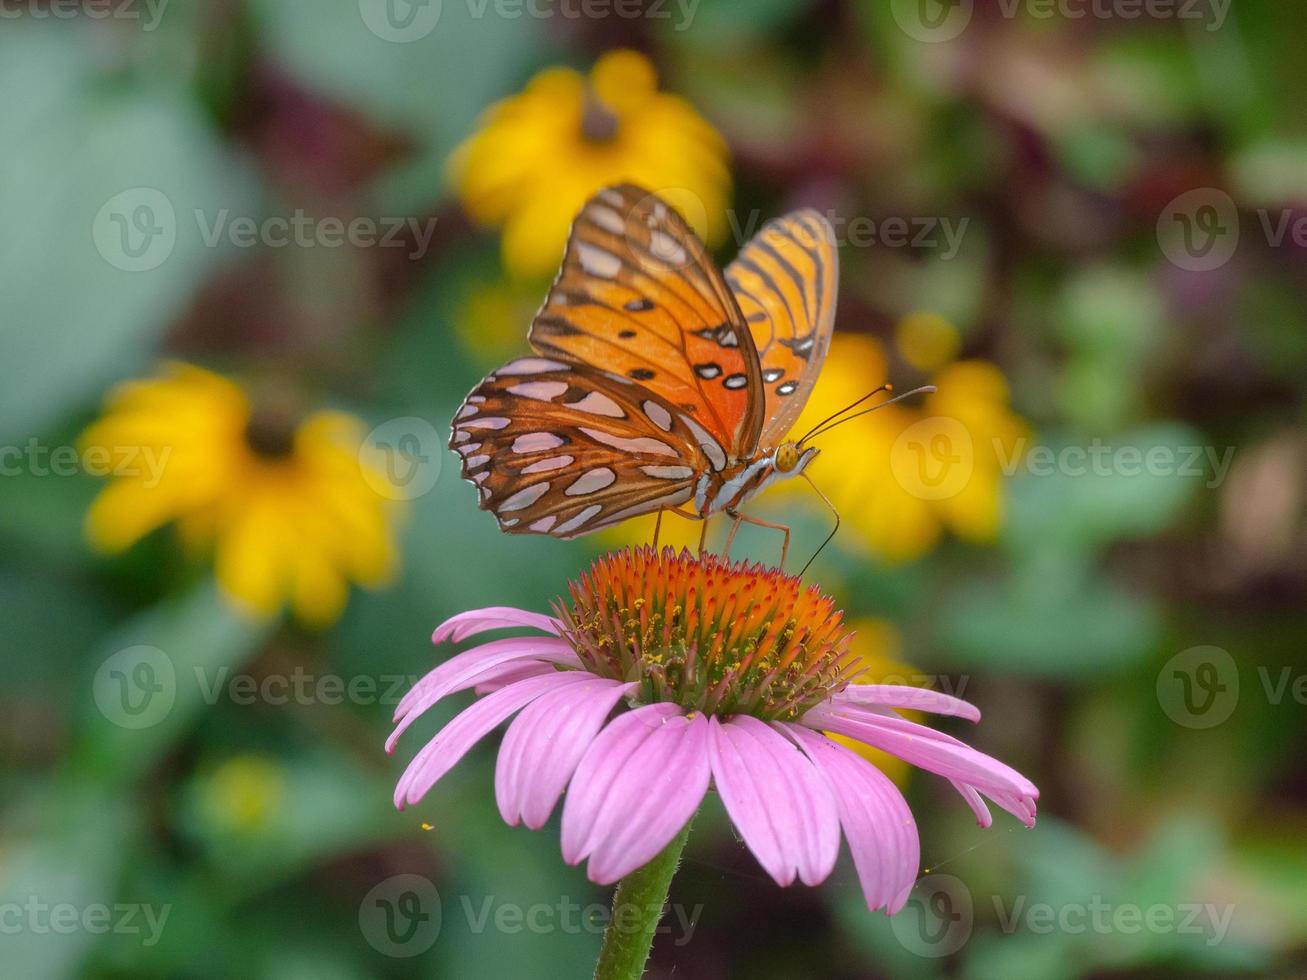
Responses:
[637,906]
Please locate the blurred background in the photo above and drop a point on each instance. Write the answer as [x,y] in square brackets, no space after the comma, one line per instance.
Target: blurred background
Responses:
[253,253]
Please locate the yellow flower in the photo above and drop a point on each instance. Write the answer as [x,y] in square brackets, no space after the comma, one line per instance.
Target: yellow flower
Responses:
[902,475]
[541,153]
[926,340]
[679,532]
[491,318]
[243,794]
[292,510]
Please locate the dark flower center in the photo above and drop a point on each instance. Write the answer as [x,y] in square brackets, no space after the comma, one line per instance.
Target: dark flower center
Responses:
[598,123]
[270,432]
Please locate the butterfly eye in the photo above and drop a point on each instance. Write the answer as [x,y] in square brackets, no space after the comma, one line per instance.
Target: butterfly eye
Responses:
[787,457]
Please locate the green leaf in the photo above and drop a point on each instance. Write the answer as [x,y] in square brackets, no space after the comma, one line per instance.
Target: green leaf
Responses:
[99,249]
[425,67]
[60,878]
[153,676]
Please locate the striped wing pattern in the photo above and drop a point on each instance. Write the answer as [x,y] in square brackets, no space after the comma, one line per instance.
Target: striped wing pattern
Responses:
[566,449]
[785,281]
[651,368]
[639,295]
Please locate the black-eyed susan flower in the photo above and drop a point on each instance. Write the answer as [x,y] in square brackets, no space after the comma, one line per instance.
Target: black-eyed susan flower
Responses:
[539,155]
[660,675]
[293,509]
[904,474]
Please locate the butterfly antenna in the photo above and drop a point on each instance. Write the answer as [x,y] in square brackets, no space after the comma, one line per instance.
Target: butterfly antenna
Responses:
[825,500]
[824,428]
[848,408]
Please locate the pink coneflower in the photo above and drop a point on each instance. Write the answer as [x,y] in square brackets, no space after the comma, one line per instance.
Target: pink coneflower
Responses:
[662,675]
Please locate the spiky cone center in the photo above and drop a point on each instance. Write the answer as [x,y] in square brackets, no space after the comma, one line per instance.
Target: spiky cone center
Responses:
[711,636]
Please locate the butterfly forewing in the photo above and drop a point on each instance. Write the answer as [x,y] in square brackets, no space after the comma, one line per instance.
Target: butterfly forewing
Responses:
[639,295]
[785,281]
[566,449]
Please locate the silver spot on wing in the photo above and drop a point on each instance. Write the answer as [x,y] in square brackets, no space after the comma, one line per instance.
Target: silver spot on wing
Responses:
[524,498]
[591,481]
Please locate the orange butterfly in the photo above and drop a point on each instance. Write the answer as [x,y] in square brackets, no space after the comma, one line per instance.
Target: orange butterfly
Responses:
[657,381]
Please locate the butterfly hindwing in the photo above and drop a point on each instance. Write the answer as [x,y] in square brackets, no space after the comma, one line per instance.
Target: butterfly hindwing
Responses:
[639,296]
[785,281]
[566,449]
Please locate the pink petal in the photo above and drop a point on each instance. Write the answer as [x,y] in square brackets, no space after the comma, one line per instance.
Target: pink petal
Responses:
[781,806]
[637,785]
[977,803]
[468,727]
[464,670]
[933,751]
[908,698]
[879,826]
[544,745]
[475,621]
[509,673]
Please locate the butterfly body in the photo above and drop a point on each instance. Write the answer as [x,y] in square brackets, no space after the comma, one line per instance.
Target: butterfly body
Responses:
[716,492]
[656,381]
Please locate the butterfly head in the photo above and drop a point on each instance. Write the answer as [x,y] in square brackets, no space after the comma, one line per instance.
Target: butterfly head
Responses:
[792,457]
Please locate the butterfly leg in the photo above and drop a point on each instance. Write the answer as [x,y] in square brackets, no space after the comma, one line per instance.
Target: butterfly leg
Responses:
[689,515]
[759,522]
[835,530]
[730,538]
